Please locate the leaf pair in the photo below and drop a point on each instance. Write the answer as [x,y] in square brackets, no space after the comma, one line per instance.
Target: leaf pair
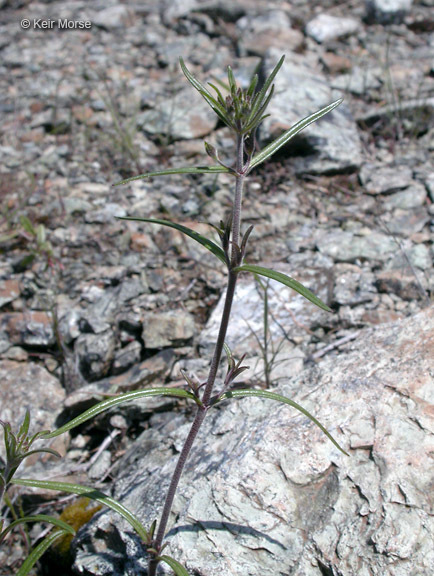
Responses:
[113,504]
[259,158]
[63,530]
[217,251]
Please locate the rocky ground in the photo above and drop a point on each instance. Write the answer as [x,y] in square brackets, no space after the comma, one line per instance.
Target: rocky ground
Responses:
[90,304]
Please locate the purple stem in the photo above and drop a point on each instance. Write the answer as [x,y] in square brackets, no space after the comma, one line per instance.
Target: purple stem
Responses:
[224,323]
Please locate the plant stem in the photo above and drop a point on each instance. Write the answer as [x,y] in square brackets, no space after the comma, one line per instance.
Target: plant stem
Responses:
[224,323]
[200,415]
[236,218]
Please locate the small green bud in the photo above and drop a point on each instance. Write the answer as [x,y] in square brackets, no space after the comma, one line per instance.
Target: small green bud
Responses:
[211,151]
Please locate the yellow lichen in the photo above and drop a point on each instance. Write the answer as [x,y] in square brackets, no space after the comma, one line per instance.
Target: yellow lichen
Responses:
[76,515]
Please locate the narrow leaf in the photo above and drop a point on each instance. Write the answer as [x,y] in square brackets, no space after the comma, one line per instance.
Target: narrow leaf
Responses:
[284,279]
[24,428]
[252,86]
[42,451]
[38,518]
[261,94]
[219,94]
[231,80]
[27,225]
[209,244]
[174,564]
[272,76]
[170,171]
[239,371]
[288,134]
[192,79]
[37,552]
[256,117]
[116,401]
[215,105]
[245,238]
[206,95]
[152,529]
[90,493]
[284,400]
[229,356]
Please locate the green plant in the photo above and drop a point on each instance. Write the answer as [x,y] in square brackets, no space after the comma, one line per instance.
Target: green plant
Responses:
[269,349]
[124,132]
[37,242]
[242,110]
[19,447]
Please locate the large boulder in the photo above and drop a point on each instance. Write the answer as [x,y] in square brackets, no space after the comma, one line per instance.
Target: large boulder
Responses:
[265,491]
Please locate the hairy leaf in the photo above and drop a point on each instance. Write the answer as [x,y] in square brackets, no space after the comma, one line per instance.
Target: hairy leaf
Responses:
[37,552]
[209,244]
[91,493]
[252,85]
[284,279]
[174,564]
[38,518]
[219,94]
[286,136]
[256,119]
[121,399]
[284,400]
[260,96]
[170,171]
[204,92]
[24,428]
[27,225]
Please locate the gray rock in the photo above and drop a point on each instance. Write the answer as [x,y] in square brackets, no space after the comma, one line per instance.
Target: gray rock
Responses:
[29,386]
[126,357]
[154,369]
[344,246]
[429,183]
[332,144]
[380,179]
[178,8]
[325,27]
[75,205]
[407,222]
[105,215]
[95,354]
[265,490]
[412,197]
[105,304]
[413,116]
[185,116]
[271,29]
[387,11]
[418,255]
[101,466]
[353,286]
[359,81]
[225,9]
[164,329]
[286,305]
[30,328]
[114,17]
[9,291]
[406,286]
[267,21]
